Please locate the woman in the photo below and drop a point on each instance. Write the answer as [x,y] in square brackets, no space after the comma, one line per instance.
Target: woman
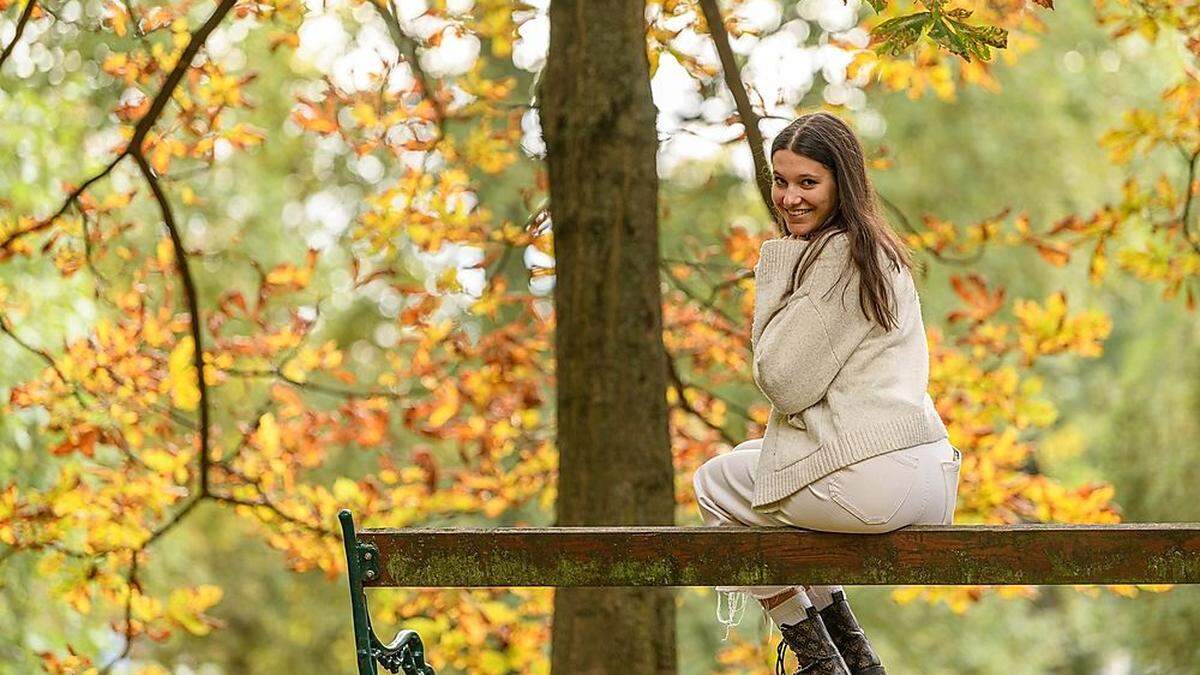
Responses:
[853,442]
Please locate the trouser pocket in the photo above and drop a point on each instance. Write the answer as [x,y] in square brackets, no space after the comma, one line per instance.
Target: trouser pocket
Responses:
[950,473]
[874,490]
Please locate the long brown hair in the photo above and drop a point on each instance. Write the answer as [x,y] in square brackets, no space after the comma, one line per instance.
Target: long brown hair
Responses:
[825,138]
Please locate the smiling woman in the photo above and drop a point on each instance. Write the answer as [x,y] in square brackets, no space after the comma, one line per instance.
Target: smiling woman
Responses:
[853,443]
[803,190]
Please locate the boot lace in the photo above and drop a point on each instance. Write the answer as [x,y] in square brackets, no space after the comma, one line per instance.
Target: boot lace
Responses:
[780,651]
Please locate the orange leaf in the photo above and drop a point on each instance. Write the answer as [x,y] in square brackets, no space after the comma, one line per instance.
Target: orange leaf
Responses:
[981,303]
[1055,255]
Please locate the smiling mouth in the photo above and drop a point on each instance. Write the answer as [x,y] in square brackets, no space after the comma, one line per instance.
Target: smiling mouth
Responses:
[797,214]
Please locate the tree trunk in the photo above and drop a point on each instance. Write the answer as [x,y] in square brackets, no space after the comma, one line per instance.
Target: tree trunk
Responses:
[598,121]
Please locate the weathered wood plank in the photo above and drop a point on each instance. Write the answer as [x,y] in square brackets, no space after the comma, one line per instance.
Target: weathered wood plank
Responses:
[736,556]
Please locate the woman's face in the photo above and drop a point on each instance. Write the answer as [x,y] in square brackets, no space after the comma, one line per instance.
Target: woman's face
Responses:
[804,191]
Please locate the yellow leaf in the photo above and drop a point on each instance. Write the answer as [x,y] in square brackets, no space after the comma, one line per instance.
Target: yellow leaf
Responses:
[364,114]
[185,392]
[294,371]
[186,607]
[160,460]
[164,253]
[498,612]
[345,490]
[447,408]
[268,435]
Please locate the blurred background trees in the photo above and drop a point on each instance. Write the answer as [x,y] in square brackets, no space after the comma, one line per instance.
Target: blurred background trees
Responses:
[356,196]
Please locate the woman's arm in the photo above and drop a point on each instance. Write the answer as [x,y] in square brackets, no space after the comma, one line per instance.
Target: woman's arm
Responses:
[777,260]
[805,340]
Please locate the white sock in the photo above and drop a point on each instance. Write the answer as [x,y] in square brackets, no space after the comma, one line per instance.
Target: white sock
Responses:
[821,596]
[791,611]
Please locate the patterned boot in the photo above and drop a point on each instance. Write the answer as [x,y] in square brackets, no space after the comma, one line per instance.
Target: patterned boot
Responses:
[813,647]
[850,639]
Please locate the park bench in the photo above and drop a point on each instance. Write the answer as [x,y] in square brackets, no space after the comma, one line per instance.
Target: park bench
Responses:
[1126,553]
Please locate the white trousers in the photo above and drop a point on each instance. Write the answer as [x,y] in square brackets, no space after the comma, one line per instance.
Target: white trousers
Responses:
[915,485]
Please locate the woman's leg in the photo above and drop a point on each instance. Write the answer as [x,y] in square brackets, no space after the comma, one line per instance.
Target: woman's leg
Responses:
[724,487]
[724,490]
[880,494]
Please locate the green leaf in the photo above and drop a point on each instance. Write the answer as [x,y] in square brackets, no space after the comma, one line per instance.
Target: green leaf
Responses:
[902,32]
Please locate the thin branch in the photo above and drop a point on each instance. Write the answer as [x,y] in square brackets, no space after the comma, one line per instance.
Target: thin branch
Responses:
[679,386]
[144,124]
[185,60]
[134,148]
[137,24]
[1187,203]
[315,386]
[193,303]
[499,264]
[25,14]
[170,524]
[408,48]
[7,329]
[904,222]
[733,80]
[732,281]
[265,503]
[89,254]
[131,580]
[7,242]
[686,290]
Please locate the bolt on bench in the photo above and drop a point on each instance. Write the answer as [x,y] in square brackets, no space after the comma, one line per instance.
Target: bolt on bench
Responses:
[1032,553]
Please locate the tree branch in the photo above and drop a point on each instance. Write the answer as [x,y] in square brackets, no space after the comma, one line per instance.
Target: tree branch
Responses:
[25,13]
[904,222]
[1187,203]
[265,503]
[408,48]
[131,580]
[679,386]
[733,80]
[144,125]
[135,148]
[317,387]
[7,242]
[7,329]
[193,303]
[185,61]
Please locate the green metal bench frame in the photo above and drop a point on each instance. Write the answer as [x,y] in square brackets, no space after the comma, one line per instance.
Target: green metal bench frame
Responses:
[404,653]
[1029,553]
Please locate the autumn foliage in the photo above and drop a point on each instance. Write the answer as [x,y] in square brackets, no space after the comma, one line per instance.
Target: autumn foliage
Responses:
[207,375]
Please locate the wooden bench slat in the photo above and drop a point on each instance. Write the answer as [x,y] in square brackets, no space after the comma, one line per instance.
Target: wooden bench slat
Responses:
[1126,553]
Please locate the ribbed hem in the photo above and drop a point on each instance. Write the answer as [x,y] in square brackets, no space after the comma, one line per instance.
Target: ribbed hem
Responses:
[924,426]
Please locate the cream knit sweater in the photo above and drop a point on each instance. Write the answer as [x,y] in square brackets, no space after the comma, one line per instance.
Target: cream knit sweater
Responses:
[841,388]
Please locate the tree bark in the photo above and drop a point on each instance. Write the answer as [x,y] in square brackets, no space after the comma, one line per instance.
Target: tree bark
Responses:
[615,468]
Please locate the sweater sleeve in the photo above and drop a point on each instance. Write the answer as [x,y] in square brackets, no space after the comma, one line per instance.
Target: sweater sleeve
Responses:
[777,260]
[804,342]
